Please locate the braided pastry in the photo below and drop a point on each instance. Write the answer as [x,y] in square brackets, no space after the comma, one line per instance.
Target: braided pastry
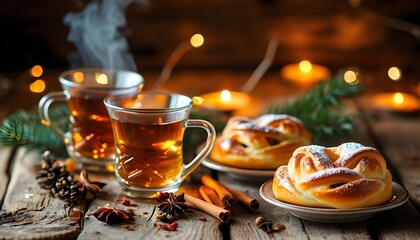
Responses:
[263,143]
[348,176]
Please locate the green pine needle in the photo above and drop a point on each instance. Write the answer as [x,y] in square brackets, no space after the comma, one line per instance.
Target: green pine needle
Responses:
[25,129]
[320,109]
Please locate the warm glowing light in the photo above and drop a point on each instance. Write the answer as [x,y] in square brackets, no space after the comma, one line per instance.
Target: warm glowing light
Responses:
[225,95]
[355,3]
[197,40]
[350,77]
[398,98]
[305,73]
[78,77]
[197,100]
[102,78]
[38,86]
[305,66]
[394,73]
[45,122]
[225,100]
[36,71]
[400,102]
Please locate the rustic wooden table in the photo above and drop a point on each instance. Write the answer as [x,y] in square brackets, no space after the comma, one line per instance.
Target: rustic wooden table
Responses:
[28,212]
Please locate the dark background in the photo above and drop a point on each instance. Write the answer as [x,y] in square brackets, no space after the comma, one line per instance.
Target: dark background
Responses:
[372,37]
[236,32]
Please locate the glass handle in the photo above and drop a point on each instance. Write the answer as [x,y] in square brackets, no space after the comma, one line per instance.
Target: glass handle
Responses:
[43,108]
[211,136]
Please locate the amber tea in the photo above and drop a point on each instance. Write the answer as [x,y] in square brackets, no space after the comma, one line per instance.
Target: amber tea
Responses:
[148,131]
[90,140]
[91,128]
[149,155]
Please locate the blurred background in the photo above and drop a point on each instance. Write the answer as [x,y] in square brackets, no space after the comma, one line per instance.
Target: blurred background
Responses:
[370,35]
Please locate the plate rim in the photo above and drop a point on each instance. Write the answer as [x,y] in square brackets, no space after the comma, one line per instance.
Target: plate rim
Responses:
[242,171]
[368,211]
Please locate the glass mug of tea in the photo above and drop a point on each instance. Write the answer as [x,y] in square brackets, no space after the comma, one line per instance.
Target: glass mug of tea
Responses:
[90,140]
[148,131]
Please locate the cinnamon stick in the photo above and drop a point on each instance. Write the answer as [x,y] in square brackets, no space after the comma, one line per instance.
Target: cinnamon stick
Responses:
[221,191]
[244,198]
[220,213]
[210,196]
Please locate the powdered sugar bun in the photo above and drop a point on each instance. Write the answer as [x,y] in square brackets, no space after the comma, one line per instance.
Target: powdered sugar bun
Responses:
[262,143]
[348,176]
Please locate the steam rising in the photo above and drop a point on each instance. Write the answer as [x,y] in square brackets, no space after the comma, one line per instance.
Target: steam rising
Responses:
[95,33]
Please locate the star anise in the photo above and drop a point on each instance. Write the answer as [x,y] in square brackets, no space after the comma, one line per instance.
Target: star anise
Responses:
[173,206]
[112,215]
[92,187]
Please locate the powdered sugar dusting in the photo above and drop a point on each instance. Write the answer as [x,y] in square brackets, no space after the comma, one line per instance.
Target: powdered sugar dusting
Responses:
[318,152]
[349,150]
[283,179]
[331,172]
[266,119]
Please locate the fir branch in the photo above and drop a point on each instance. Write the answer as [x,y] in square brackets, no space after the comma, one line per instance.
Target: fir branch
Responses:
[25,129]
[320,109]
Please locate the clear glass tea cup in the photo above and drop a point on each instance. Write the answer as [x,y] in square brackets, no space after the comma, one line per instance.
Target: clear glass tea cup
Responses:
[148,132]
[90,140]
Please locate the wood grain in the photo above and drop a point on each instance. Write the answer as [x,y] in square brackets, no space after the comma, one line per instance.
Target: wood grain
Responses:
[29,212]
[397,136]
[5,158]
[189,226]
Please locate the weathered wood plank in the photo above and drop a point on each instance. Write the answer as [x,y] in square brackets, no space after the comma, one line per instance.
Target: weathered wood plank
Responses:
[400,223]
[243,224]
[29,212]
[398,137]
[189,226]
[5,158]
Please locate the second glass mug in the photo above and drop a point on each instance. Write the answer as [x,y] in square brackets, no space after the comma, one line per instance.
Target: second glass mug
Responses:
[148,131]
[90,140]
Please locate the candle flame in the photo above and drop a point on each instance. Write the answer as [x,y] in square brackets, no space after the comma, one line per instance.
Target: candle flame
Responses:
[197,40]
[225,95]
[398,98]
[101,79]
[305,66]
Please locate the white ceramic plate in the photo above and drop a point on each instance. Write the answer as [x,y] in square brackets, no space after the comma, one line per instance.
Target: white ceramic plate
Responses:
[399,193]
[240,173]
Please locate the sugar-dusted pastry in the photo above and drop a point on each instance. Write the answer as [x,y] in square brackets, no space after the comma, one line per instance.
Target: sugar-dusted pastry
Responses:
[262,143]
[348,176]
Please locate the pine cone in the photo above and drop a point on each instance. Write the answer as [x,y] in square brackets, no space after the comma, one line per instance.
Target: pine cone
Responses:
[51,171]
[69,189]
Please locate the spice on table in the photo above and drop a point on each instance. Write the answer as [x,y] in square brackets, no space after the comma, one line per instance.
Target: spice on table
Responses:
[91,187]
[210,196]
[128,202]
[244,198]
[167,226]
[267,226]
[223,193]
[112,215]
[220,213]
[77,216]
[173,206]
